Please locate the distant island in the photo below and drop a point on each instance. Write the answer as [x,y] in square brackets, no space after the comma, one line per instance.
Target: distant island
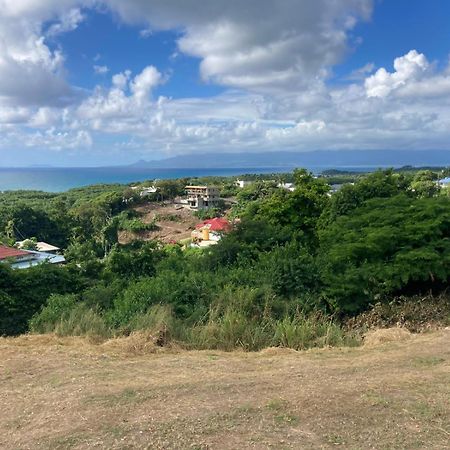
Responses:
[311,159]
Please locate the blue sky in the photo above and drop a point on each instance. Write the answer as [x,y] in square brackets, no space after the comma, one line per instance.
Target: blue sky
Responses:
[111,82]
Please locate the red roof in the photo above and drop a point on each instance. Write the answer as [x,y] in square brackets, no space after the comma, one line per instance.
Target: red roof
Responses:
[10,252]
[216,224]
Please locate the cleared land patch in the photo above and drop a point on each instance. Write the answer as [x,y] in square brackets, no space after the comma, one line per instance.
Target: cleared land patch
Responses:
[69,393]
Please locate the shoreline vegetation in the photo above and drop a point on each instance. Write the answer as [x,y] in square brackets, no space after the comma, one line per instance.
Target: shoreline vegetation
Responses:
[304,268]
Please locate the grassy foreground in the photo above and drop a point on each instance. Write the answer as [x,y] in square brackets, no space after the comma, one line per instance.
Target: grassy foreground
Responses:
[70,393]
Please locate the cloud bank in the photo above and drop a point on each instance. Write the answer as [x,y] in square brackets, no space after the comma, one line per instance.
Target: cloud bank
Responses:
[274,58]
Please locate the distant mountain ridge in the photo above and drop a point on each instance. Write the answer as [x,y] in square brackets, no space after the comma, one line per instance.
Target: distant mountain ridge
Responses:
[319,158]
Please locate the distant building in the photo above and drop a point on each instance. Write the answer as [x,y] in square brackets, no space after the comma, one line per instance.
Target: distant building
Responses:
[201,197]
[242,183]
[445,182]
[218,224]
[335,188]
[287,186]
[209,232]
[23,259]
[148,191]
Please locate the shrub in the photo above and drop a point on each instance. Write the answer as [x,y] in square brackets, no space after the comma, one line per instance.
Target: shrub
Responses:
[417,314]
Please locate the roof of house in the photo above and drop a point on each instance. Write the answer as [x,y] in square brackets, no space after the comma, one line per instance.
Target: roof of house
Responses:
[216,224]
[11,252]
[40,246]
[38,258]
[44,247]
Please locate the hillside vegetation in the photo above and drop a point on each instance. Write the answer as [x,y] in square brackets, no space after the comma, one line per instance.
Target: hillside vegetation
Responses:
[296,270]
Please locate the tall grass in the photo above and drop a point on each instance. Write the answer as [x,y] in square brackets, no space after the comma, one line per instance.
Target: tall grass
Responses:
[82,321]
[225,328]
[75,320]
[233,330]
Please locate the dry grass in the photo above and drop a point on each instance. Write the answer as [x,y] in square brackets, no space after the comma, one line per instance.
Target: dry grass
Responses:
[382,336]
[71,393]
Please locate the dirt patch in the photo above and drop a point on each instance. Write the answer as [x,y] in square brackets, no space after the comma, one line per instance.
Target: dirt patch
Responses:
[174,223]
[277,351]
[60,393]
[383,336]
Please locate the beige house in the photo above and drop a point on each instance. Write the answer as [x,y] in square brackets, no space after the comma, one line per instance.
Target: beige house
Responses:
[201,197]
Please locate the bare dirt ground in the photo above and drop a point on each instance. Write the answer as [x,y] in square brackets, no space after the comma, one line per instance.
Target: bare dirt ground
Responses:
[68,393]
[174,223]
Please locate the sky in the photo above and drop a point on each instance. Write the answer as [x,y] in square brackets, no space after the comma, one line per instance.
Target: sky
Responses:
[108,82]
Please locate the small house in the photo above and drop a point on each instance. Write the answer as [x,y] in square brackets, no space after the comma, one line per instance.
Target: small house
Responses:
[209,232]
[23,259]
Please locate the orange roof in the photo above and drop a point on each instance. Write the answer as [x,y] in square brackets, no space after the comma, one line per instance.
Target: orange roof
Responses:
[216,224]
[11,252]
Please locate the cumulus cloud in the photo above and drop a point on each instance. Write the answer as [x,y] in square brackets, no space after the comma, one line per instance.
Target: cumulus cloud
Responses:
[30,72]
[273,56]
[410,67]
[258,45]
[144,82]
[126,99]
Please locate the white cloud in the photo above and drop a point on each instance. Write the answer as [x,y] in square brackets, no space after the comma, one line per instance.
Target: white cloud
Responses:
[258,45]
[362,72]
[273,56]
[101,70]
[410,67]
[68,22]
[143,83]
[31,73]
[120,107]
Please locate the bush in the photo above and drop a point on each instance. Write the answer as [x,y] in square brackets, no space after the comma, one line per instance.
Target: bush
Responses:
[417,314]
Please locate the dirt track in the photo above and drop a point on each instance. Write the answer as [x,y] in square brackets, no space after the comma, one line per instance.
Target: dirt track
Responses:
[67,393]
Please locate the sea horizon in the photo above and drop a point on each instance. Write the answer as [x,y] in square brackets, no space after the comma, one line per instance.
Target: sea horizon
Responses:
[61,179]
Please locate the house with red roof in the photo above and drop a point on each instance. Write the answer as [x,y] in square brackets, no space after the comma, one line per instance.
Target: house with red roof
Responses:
[218,224]
[22,259]
[209,232]
[12,254]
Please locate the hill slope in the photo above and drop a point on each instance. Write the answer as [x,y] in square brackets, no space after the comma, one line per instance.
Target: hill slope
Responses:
[311,159]
[67,393]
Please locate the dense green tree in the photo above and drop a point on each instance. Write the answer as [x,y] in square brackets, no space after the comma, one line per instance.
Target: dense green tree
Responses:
[298,210]
[425,184]
[384,247]
[380,184]
[23,292]
[135,260]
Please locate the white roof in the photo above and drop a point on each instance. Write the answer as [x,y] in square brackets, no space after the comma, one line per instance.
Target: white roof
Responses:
[41,246]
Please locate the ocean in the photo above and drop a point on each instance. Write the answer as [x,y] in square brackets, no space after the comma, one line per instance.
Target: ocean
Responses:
[62,179]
